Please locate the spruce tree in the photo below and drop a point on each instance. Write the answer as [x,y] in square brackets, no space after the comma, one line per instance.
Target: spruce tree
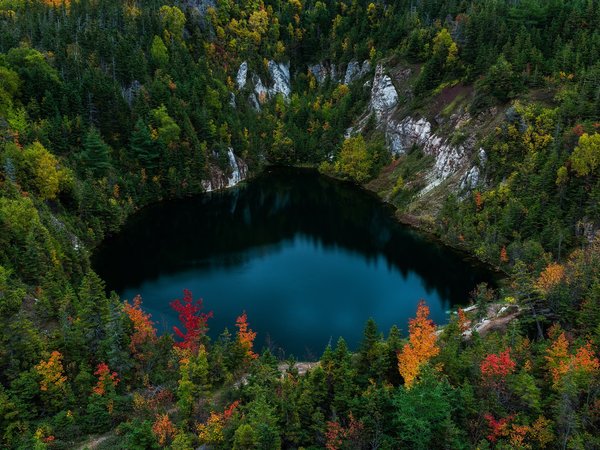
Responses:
[143,146]
[96,153]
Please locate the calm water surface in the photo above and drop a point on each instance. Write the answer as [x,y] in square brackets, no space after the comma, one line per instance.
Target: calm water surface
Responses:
[308,258]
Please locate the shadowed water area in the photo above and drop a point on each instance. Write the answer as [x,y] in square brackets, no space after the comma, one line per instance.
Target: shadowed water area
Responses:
[307,257]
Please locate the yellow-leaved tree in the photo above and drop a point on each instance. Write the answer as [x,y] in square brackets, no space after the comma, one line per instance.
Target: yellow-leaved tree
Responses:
[421,346]
[43,171]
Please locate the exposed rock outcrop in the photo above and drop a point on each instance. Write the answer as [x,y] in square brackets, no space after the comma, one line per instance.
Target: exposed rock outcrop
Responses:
[451,160]
[383,93]
[280,78]
[448,159]
[242,75]
[280,83]
[260,91]
[197,10]
[354,71]
[219,179]
[473,177]
[201,6]
[320,71]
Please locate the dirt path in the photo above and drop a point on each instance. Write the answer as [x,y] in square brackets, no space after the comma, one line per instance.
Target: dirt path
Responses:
[497,318]
[95,442]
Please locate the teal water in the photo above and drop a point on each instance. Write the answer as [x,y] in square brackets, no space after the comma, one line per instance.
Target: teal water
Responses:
[307,257]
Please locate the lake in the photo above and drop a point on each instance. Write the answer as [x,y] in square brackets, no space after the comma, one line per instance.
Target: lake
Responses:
[309,258]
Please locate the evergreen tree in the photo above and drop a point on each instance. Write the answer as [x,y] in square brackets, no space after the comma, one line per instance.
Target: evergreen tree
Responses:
[143,146]
[96,153]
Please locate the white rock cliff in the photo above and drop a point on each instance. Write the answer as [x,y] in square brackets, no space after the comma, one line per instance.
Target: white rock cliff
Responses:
[402,133]
[219,179]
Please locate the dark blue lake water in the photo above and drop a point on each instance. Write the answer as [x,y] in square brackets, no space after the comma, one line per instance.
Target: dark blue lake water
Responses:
[307,257]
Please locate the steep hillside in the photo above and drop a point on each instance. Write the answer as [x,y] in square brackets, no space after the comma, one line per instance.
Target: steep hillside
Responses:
[478,120]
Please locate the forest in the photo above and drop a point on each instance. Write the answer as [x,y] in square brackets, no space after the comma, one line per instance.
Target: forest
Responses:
[108,106]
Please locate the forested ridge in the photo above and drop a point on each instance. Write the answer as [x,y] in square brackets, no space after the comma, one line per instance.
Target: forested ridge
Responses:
[108,106]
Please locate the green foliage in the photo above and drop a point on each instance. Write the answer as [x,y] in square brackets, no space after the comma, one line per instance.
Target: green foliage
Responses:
[96,153]
[586,156]
[40,171]
[167,130]
[159,52]
[138,98]
[143,146]
[137,435]
[354,160]
[9,85]
[500,83]
[424,415]
[173,21]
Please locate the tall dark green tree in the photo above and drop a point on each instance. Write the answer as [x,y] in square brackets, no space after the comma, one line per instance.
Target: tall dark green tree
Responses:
[144,148]
[95,156]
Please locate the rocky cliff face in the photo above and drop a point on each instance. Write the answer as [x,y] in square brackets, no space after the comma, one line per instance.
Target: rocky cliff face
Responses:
[280,78]
[279,83]
[383,93]
[242,75]
[456,165]
[354,71]
[220,179]
[453,163]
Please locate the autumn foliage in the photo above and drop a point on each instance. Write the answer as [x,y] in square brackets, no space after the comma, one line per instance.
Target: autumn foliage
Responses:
[337,435]
[463,320]
[536,435]
[57,3]
[163,429]
[498,428]
[496,367]
[420,348]
[245,336]
[503,255]
[143,327]
[193,321]
[478,200]
[106,379]
[562,362]
[211,432]
[550,277]
[51,372]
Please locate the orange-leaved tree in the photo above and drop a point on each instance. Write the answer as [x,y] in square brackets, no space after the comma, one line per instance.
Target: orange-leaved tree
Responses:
[211,432]
[550,277]
[143,328]
[163,429]
[245,336]
[582,365]
[51,373]
[421,346]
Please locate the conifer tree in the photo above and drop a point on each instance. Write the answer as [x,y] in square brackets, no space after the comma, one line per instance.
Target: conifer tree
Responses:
[96,153]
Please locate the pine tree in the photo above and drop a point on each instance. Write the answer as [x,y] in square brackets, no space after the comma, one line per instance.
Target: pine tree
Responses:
[96,153]
[143,146]
[372,357]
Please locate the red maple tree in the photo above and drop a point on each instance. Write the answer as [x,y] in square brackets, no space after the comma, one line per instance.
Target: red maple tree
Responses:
[497,367]
[193,321]
[106,379]
[498,428]
[337,435]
